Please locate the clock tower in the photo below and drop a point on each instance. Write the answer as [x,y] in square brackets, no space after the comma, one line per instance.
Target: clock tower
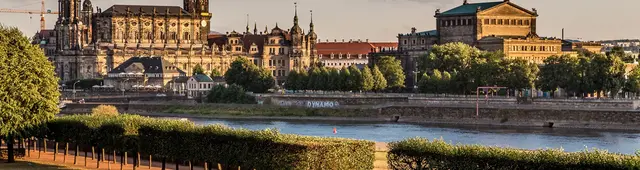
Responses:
[205,18]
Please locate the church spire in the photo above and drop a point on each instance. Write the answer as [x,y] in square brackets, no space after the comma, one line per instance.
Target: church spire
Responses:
[295,18]
[247,31]
[311,24]
[255,27]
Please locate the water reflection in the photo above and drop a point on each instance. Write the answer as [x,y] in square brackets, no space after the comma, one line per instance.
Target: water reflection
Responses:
[528,138]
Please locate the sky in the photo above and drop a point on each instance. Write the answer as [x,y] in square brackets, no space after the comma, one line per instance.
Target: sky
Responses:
[376,20]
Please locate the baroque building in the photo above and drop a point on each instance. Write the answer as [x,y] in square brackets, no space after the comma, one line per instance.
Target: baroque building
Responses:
[492,26]
[90,44]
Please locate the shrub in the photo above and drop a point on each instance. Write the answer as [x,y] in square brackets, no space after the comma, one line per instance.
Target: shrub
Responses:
[419,153]
[180,140]
[105,110]
[231,94]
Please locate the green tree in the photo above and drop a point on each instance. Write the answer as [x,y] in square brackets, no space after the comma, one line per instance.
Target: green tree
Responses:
[303,78]
[445,83]
[448,57]
[632,85]
[367,80]
[392,70]
[518,74]
[619,52]
[606,74]
[292,79]
[560,72]
[28,87]
[345,76]
[247,75]
[262,81]
[379,82]
[335,80]
[198,69]
[356,78]
[231,94]
[315,79]
[324,80]
[425,84]
[215,73]
[436,81]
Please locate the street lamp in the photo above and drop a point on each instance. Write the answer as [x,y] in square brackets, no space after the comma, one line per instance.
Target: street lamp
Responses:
[74,89]
[123,86]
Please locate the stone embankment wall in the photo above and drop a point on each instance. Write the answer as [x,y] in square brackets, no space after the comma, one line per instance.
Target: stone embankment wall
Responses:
[576,118]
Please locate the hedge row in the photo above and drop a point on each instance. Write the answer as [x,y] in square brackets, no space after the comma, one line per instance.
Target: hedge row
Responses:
[419,153]
[184,141]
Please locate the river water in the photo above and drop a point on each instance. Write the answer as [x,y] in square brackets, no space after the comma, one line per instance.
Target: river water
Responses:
[570,140]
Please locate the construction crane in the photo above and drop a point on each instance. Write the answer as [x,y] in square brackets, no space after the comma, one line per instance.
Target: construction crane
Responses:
[42,12]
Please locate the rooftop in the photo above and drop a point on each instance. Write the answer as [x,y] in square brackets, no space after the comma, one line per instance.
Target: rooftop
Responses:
[145,10]
[470,8]
[354,47]
[148,64]
[202,78]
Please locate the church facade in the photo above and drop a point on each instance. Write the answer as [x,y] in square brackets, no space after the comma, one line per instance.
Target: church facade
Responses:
[90,44]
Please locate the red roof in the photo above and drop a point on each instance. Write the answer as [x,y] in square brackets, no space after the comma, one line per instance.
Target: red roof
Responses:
[354,48]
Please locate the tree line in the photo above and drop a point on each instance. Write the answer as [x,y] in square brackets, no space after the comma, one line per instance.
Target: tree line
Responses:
[457,68]
[385,74]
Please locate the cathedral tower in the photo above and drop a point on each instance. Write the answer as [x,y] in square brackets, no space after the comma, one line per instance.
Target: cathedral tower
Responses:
[68,25]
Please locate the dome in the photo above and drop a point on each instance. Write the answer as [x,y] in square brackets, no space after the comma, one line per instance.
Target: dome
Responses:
[296,30]
[277,31]
[312,35]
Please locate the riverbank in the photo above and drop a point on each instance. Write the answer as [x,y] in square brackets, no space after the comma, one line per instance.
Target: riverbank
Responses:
[605,119]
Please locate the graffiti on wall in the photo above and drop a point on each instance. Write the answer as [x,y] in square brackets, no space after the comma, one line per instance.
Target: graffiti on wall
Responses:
[309,104]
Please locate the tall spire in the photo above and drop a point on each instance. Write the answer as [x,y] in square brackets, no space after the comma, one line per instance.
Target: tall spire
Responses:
[247,32]
[266,29]
[295,18]
[255,27]
[311,24]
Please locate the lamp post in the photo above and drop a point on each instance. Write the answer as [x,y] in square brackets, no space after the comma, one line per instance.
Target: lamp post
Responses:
[74,89]
[125,80]
[415,81]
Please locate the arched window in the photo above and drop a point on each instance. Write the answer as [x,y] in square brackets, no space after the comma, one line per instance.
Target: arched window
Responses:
[186,36]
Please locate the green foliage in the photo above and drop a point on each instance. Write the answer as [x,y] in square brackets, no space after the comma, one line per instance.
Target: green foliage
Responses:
[198,70]
[315,79]
[231,94]
[84,83]
[355,79]
[325,79]
[518,74]
[379,82]
[619,52]
[292,80]
[448,57]
[335,80]
[182,140]
[367,80]
[420,153]
[633,81]
[249,76]
[345,76]
[215,73]
[105,110]
[559,72]
[28,87]
[392,70]
[302,81]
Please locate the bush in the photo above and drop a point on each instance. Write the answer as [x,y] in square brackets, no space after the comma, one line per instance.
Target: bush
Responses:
[105,110]
[419,153]
[231,94]
[180,140]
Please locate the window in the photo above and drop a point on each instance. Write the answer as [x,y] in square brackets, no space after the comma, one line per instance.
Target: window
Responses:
[444,23]
[470,21]
[238,48]
[499,22]
[526,22]
[493,21]
[486,21]
[513,22]
[270,63]
[273,72]
[520,22]
[414,42]
[506,22]
[405,42]
[422,41]
[186,36]
[254,49]
[459,22]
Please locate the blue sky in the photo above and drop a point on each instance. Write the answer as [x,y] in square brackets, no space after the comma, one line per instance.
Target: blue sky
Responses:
[378,20]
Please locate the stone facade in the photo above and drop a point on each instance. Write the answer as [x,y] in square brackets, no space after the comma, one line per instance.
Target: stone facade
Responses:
[531,48]
[89,44]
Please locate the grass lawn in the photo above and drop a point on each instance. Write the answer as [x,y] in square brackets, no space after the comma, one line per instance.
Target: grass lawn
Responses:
[21,164]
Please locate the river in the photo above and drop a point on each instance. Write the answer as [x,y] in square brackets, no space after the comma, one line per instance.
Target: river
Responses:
[570,140]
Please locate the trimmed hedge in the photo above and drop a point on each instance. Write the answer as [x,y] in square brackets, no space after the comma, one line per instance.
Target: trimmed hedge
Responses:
[184,141]
[419,153]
